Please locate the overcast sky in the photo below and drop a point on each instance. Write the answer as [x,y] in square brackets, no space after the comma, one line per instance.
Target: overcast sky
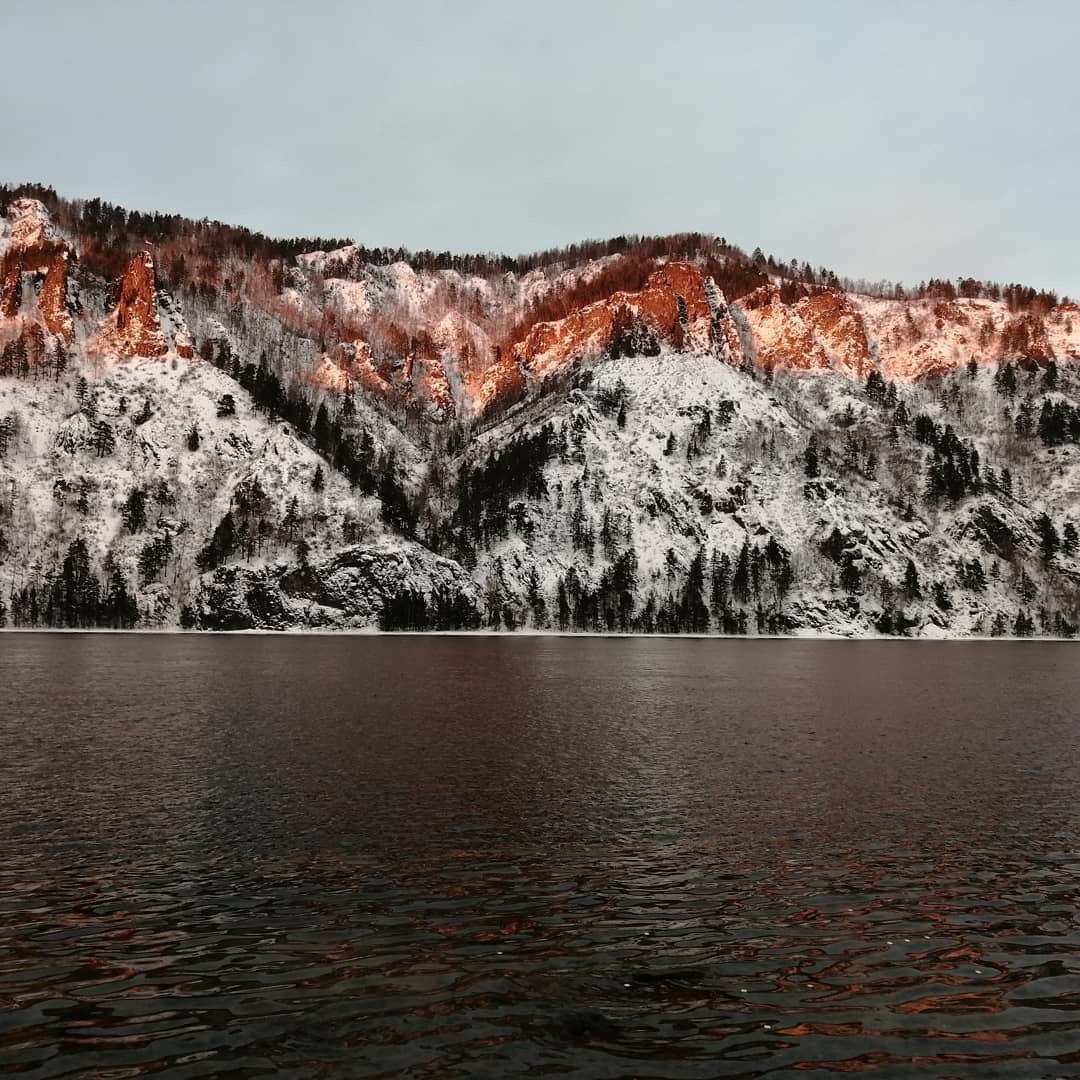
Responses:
[897,141]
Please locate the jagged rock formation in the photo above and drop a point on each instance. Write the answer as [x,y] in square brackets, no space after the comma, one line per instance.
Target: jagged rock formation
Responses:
[133,328]
[32,249]
[52,300]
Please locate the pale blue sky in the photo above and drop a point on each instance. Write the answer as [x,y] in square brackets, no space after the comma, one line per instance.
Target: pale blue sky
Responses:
[897,141]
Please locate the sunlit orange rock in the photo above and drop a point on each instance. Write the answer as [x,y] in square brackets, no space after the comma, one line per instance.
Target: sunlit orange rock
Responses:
[673,304]
[839,329]
[133,327]
[53,299]
[9,292]
[1026,336]
[782,338]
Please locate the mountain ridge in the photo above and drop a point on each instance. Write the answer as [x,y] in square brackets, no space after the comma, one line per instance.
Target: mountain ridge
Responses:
[574,446]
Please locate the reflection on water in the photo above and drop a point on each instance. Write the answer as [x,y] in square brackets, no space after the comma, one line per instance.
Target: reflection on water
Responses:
[523,857]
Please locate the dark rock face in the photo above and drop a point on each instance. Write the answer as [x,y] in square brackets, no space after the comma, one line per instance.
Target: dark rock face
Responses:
[350,589]
[236,598]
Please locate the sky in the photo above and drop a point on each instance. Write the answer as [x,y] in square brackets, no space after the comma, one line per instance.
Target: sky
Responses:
[899,141]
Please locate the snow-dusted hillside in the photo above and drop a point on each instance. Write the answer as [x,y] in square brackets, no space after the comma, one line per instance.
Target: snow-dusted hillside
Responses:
[614,444]
[675,481]
[139,465]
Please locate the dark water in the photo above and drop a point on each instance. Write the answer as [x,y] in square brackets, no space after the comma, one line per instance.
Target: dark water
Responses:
[524,857]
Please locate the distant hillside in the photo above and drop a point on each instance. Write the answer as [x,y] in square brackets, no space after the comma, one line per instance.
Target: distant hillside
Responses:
[202,426]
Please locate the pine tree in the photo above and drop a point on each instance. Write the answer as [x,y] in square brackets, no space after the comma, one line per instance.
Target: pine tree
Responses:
[694,615]
[875,386]
[77,589]
[1048,536]
[535,597]
[1005,380]
[133,512]
[321,430]
[221,545]
[563,604]
[811,463]
[291,519]
[740,578]
[1069,538]
[850,575]
[59,361]
[975,578]
[911,582]
[721,582]
[104,439]
[1027,589]
[121,610]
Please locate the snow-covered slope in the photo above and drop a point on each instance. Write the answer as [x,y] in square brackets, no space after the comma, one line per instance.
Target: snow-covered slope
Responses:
[708,459]
[139,460]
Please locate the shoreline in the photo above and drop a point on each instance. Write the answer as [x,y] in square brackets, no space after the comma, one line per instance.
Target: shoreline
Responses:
[374,632]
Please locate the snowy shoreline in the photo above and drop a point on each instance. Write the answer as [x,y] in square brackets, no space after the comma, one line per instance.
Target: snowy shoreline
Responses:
[376,632]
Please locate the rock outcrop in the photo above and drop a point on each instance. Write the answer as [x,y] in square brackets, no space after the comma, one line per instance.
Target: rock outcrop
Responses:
[351,589]
[133,328]
[52,300]
[782,337]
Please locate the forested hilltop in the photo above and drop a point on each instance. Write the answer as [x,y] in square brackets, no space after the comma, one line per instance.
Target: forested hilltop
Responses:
[207,428]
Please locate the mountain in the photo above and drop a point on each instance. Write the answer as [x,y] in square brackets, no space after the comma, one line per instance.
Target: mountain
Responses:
[204,427]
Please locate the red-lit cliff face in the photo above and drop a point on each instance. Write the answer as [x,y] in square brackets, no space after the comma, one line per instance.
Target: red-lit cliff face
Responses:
[350,365]
[839,329]
[10,288]
[468,367]
[52,308]
[674,307]
[817,332]
[417,380]
[586,333]
[133,328]
[782,338]
[453,344]
[34,249]
[38,264]
[52,300]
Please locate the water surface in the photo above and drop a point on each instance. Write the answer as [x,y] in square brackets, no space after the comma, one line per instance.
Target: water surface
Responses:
[504,857]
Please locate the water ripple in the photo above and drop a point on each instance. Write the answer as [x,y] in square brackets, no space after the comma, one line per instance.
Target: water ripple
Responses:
[595,885]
